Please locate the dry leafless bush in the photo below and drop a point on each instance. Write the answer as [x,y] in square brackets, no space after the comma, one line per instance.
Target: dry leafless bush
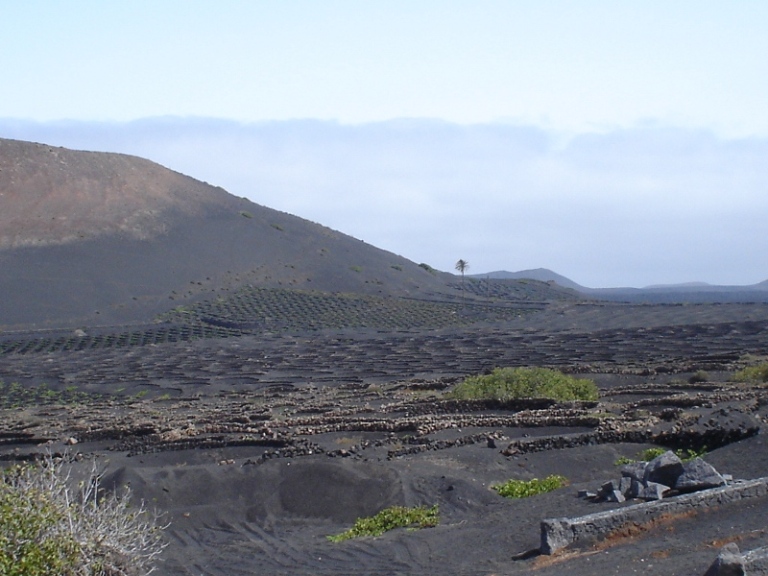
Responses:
[51,524]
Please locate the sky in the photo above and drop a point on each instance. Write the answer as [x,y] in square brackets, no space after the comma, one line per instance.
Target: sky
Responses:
[616,143]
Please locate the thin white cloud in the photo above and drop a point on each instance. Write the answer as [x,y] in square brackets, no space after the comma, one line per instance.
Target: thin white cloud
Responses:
[557,63]
[635,207]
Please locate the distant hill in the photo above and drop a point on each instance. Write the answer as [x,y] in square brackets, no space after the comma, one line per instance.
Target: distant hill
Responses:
[699,292]
[96,238]
[99,240]
[684,285]
[540,274]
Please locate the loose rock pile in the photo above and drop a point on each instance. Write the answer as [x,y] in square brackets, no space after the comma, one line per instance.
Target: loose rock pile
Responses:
[665,475]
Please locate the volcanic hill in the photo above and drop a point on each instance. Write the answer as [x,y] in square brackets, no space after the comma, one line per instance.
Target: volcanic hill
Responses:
[92,238]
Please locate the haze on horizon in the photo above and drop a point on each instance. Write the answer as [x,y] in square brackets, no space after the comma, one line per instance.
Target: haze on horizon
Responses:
[618,144]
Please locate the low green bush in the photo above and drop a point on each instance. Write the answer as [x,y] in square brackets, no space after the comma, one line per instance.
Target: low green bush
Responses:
[428,268]
[526,488]
[699,376]
[52,526]
[685,454]
[32,538]
[511,383]
[753,374]
[389,519]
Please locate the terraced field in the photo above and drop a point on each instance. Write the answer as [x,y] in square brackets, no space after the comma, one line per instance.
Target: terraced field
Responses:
[245,396]
[254,360]
[258,310]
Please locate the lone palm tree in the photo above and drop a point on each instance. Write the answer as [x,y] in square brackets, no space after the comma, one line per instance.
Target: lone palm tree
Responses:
[462,266]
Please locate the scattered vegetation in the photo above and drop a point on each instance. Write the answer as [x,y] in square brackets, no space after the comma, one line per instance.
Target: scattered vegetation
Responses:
[699,376]
[14,395]
[389,519]
[191,329]
[526,488]
[246,214]
[752,374]
[650,453]
[511,383]
[428,268]
[47,528]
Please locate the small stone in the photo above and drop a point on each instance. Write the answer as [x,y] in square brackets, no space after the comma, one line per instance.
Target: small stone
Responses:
[616,496]
[625,485]
[634,470]
[653,491]
[607,489]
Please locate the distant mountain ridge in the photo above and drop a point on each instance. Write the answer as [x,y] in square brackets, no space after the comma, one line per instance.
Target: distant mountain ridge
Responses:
[685,292]
[540,274]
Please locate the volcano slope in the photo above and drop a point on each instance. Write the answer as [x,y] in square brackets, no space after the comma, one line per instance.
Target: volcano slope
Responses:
[263,382]
[90,238]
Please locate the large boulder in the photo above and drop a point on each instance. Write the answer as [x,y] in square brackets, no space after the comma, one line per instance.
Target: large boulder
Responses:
[665,475]
[698,475]
[664,469]
[729,562]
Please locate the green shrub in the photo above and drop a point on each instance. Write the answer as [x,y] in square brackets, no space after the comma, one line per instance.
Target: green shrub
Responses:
[526,488]
[50,528]
[428,268]
[757,373]
[32,538]
[685,454]
[699,376]
[389,519]
[623,461]
[510,383]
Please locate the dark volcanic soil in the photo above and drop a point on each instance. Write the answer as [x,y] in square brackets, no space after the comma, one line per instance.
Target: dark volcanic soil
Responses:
[258,447]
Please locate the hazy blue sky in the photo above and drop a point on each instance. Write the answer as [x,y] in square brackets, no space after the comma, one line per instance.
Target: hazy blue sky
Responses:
[617,143]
